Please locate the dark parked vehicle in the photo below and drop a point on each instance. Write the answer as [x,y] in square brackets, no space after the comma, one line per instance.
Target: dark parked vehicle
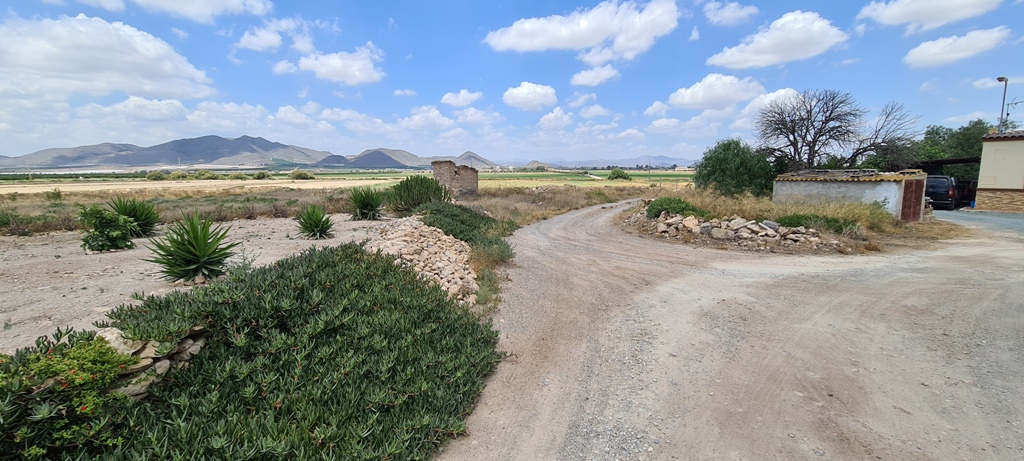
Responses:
[968,191]
[943,191]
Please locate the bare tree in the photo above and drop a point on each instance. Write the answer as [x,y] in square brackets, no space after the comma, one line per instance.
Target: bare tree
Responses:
[827,127]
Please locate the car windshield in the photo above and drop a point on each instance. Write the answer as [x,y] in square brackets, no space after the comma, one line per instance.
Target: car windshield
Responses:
[938,185]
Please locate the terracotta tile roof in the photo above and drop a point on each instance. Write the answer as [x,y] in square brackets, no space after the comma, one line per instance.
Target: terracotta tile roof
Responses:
[851,175]
[1016,134]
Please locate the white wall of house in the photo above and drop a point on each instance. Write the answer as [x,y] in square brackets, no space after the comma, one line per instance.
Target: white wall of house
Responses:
[888,193]
[1002,164]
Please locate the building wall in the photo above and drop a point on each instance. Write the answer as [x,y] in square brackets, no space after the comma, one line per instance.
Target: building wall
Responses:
[460,179]
[1002,165]
[999,200]
[889,193]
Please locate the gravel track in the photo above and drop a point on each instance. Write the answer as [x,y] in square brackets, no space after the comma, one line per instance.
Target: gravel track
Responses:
[631,348]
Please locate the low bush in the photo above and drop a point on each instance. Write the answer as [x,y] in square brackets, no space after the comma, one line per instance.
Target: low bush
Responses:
[143,213]
[414,191]
[330,354]
[314,223]
[179,176]
[156,176]
[365,203]
[207,175]
[262,175]
[54,197]
[106,229]
[674,205]
[238,177]
[485,235]
[619,173]
[300,175]
[192,247]
[54,399]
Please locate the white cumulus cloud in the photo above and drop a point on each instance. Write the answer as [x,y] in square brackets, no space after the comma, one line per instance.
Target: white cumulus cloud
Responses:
[594,111]
[951,49]
[794,36]
[716,91]
[612,30]
[461,99]
[269,36]
[991,82]
[405,92]
[694,34]
[285,67]
[353,68]
[476,116]
[658,109]
[59,57]
[921,15]
[581,99]
[728,14]
[530,97]
[747,117]
[425,118]
[555,120]
[595,76]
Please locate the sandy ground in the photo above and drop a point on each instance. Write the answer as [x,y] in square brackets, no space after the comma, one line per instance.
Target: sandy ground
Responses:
[48,281]
[212,185]
[629,348]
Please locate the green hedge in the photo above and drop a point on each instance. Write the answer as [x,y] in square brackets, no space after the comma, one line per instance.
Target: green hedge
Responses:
[329,354]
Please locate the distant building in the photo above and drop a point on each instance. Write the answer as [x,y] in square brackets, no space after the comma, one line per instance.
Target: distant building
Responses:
[461,179]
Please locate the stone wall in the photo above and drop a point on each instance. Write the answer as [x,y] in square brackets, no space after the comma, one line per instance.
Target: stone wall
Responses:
[155,359]
[999,200]
[461,179]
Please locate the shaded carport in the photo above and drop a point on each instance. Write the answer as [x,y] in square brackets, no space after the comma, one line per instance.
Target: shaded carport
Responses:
[934,167]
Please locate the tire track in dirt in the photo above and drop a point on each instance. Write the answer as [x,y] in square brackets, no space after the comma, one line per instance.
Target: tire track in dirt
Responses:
[630,348]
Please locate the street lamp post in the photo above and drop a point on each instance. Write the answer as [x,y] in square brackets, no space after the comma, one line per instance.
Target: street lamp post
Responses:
[1002,107]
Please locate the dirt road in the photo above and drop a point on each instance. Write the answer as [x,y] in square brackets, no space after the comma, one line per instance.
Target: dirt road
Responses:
[629,348]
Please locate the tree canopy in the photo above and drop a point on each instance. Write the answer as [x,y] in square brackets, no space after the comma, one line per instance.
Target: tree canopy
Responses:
[732,168]
[829,128]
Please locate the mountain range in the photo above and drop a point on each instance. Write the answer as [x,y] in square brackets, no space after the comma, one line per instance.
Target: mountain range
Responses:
[212,151]
[256,152]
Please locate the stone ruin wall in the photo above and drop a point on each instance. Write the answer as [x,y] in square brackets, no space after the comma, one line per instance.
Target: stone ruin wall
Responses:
[461,179]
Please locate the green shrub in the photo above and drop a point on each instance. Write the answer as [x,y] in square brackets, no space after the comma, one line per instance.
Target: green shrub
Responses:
[192,248]
[314,223]
[53,398]
[674,205]
[238,177]
[300,175]
[156,176]
[54,197]
[207,175]
[106,230]
[483,233]
[262,175]
[330,354]
[414,191]
[365,203]
[619,173]
[179,176]
[733,168]
[143,213]
[816,221]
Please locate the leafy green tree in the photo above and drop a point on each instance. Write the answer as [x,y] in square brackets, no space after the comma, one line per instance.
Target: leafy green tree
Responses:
[733,168]
[941,142]
[619,173]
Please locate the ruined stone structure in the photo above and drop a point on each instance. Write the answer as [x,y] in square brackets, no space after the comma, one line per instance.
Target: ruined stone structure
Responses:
[459,179]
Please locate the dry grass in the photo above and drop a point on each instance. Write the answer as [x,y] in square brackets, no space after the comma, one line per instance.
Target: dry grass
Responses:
[526,206]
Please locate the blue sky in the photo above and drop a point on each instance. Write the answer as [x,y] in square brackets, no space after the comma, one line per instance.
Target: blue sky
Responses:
[521,80]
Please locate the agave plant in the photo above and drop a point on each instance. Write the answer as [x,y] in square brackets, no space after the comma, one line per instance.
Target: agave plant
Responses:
[193,247]
[414,191]
[366,203]
[143,213]
[314,223]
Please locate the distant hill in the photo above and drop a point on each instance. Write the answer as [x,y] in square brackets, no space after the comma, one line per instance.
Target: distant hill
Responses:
[244,150]
[333,161]
[659,161]
[384,158]
[474,160]
[534,164]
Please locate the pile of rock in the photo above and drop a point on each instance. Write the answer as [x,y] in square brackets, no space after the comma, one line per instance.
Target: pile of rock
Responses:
[745,233]
[439,257]
[155,359]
